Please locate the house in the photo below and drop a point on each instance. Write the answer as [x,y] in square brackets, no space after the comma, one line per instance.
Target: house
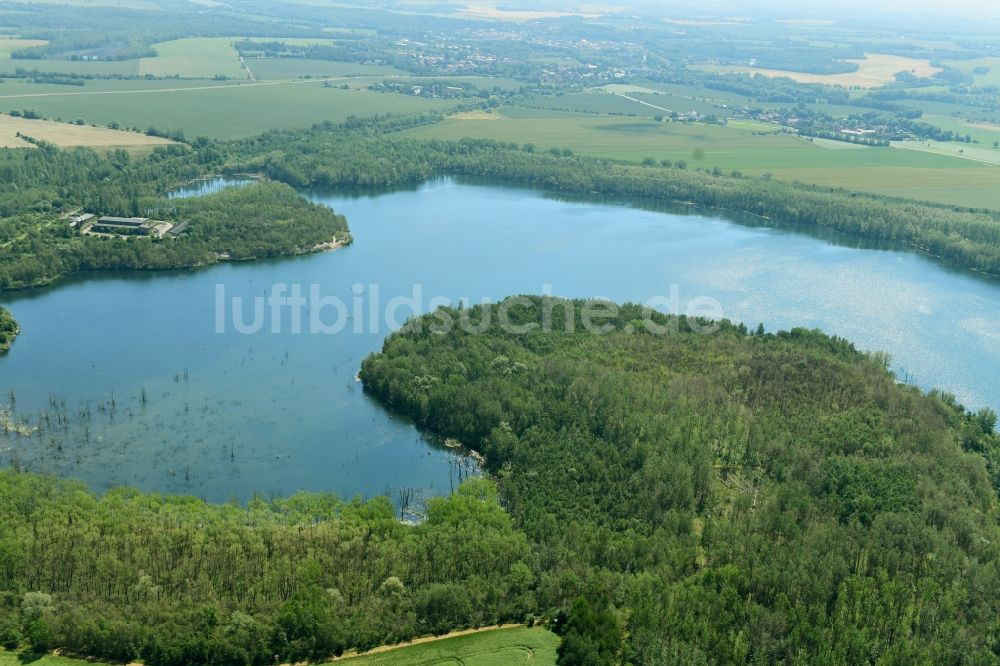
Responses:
[123,225]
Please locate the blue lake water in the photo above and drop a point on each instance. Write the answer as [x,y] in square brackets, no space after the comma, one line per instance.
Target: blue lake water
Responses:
[129,381]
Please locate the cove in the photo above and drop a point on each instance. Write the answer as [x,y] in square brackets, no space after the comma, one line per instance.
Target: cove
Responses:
[124,379]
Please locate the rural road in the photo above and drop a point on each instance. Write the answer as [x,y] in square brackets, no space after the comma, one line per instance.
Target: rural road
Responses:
[224,86]
[633,99]
[186,89]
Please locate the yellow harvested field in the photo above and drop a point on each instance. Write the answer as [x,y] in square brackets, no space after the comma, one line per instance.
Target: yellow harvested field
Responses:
[8,44]
[66,134]
[982,125]
[874,71]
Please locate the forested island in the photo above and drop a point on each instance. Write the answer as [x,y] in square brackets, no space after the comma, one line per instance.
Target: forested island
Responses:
[735,496]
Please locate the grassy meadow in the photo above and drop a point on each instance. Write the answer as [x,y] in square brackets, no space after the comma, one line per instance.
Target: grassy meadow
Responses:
[499,647]
[194,58]
[81,67]
[15,659]
[277,69]
[991,77]
[496,647]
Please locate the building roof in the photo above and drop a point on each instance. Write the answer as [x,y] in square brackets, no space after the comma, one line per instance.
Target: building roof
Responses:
[124,221]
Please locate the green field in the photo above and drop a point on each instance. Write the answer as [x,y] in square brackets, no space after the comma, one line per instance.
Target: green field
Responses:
[974,152]
[199,57]
[95,68]
[589,102]
[741,146]
[222,111]
[984,133]
[990,78]
[194,58]
[12,659]
[640,100]
[501,647]
[276,69]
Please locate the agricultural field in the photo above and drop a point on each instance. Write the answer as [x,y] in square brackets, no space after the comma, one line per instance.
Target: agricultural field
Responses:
[991,77]
[975,153]
[751,148]
[499,647]
[589,102]
[642,99]
[986,133]
[82,67]
[68,134]
[652,99]
[194,58]
[874,71]
[281,69]
[224,110]
[9,44]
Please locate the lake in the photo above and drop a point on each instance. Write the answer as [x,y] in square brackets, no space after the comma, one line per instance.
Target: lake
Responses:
[132,379]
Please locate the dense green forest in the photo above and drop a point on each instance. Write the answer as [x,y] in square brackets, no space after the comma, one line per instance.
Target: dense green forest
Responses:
[682,497]
[733,497]
[8,330]
[174,581]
